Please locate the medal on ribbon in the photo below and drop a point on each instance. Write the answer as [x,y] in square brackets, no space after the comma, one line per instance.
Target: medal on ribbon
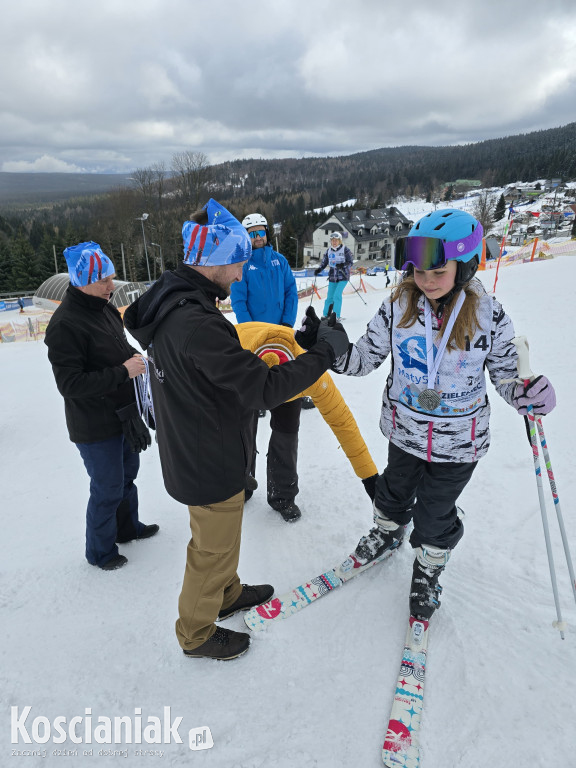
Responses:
[429,399]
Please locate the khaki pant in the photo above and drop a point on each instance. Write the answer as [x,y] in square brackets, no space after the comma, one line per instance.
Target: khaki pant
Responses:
[210,580]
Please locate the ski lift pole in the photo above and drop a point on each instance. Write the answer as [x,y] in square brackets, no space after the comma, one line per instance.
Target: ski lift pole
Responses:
[525,375]
[556,500]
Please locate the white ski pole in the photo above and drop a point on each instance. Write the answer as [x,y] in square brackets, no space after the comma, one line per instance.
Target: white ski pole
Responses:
[556,500]
[524,376]
[357,291]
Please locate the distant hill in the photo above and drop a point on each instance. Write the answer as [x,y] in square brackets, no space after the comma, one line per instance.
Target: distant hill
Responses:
[22,188]
[411,169]
[378,174]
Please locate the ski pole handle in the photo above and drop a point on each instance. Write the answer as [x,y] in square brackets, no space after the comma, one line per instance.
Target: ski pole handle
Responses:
[524,371]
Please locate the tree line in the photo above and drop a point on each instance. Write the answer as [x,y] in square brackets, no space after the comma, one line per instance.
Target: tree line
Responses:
[284,191]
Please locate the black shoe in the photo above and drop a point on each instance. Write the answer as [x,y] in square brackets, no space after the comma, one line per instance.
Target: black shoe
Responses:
[250,596]
[147,532]
[290,513]
[224,644]
[425,590]
[376,543]
[307,403]
[112,565]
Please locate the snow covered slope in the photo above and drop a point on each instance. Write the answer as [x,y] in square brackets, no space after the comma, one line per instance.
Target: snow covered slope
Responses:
[316,689]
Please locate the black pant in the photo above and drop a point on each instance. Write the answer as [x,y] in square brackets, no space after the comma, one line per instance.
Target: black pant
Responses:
[425,492]
[282,456]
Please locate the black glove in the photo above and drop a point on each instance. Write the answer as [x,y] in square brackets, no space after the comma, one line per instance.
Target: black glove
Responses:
[306,336]
[317,271]
[369,484]
[134,429]
[333,333]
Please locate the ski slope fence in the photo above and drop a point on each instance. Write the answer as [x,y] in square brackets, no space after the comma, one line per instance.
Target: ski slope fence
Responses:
[532,251]
[25,327]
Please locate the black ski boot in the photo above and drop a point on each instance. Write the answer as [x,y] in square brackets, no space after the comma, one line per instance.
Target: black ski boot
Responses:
[425,590]
[377,542]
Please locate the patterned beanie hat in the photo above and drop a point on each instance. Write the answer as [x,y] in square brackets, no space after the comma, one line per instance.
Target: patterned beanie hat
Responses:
[222,241]
[87,264]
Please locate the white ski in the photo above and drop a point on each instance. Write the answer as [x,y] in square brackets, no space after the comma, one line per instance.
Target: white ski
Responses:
[281,607]
[401,745]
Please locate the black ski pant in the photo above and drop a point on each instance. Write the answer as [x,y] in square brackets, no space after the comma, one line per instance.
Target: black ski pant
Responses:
[282,456]
[411,488]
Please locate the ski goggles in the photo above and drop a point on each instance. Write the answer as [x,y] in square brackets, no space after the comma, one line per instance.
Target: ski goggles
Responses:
[257,233]
[431,253]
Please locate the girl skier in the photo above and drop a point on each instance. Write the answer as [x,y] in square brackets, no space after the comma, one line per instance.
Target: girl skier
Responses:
[339,258]
[442,331]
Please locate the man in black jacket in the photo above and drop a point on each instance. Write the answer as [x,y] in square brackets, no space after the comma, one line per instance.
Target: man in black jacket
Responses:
[94,365]
[205,388]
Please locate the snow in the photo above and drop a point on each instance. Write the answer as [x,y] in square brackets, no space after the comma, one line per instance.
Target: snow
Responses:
[314,690]
[330,208]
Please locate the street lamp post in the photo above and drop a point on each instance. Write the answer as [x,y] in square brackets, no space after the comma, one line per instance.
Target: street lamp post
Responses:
[296,263]
[156,245]
[142,219]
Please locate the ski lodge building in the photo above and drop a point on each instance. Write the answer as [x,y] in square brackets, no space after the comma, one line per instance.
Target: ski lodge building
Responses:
[370,234]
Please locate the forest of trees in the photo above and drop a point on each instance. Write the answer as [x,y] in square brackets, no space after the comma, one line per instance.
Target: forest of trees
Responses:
[285,191]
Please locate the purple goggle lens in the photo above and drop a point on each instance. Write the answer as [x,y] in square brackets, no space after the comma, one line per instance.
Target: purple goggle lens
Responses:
[422,252]
[432,253]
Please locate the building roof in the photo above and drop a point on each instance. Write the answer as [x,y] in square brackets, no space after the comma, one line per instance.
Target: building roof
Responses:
[55,287]
[360,222]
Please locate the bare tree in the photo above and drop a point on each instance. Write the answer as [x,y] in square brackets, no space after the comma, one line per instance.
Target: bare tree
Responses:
[483,209]
[192,174]
[143,180]
[159,179]
[118,234]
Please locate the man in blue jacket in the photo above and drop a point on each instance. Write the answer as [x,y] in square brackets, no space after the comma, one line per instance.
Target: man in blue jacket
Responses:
[267,293]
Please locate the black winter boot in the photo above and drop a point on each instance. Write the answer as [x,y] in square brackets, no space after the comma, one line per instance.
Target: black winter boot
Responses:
[117,562]
[249,597]
[290,513]
[224,644]
[146,532]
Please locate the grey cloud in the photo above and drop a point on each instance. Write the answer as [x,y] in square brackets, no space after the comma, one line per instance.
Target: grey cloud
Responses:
[111,86]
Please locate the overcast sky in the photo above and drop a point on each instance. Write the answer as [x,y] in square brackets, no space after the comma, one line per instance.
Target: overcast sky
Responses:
[111,85]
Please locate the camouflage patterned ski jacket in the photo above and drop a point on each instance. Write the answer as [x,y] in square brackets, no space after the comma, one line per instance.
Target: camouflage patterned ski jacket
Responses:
[458,429]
